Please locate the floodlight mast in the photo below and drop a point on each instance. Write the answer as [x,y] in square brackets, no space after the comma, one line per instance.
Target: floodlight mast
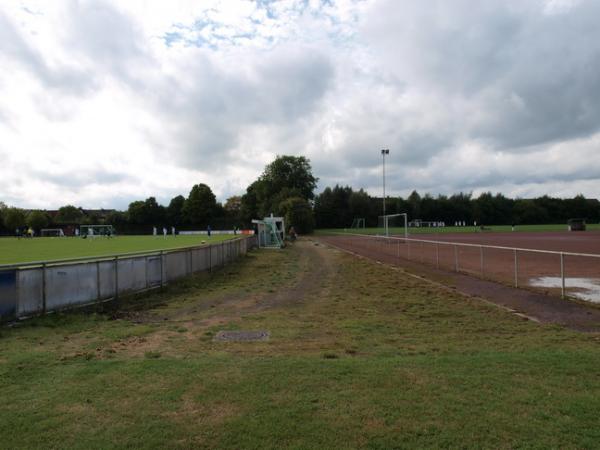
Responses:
[384,152]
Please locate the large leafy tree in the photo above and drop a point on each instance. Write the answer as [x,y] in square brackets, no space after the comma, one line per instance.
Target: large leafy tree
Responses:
[291,172]
[491,209]
[14,218]
[147,212]
[233,208]
[116,218]
[249,206]
[285,177]
[37,220]
[200,206]
[175,210]
[69,214]
[333,209]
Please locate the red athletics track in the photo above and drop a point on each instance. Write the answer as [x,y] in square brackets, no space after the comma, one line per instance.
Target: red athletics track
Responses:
[560,241]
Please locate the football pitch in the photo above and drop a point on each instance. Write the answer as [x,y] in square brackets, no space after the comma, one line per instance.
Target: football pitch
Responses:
[16,251]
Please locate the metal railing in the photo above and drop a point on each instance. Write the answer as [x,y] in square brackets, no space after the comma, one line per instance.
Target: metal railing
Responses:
[572,274]
[37,287]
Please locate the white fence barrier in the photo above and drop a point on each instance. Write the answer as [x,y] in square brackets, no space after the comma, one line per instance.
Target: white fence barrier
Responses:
[566,273]
[35,288]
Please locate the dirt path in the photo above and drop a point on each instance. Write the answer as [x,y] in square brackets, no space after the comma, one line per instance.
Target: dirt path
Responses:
[315,269]
[540,307]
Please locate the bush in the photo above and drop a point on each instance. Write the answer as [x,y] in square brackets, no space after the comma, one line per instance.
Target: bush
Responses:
[13,218]
[298,214]
[37,220]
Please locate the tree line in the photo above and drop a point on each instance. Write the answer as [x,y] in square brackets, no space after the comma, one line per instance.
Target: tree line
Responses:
[337,207]
[285,188]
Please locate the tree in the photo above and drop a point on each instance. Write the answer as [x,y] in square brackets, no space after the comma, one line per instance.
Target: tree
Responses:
[359,204]
[285,177]
[298,214]
[199,208]
[175,210]
[3,207]
[414,201]
[37,220]
[324,209]
[493,210]
[461,208]
[69,214]
[249,206]
[233,208]
[292,172]
[136,213]
[116,218]
[529,212]
[14,218]
[147,212]
[332,207]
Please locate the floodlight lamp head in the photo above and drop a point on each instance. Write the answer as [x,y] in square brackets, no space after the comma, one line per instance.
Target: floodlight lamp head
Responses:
[385,151]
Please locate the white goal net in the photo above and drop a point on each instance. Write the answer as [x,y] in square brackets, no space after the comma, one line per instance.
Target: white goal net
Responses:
[52,232]
[394,224]
[358,223]
[96,231]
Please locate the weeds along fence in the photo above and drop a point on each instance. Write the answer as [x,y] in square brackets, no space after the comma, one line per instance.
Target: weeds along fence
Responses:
[560,273]
[38,287]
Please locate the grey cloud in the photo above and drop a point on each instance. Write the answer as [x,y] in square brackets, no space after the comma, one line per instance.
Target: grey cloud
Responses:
[81,178]
[526,77]
[428,80]
[65,79]
[108,40]
[208,118]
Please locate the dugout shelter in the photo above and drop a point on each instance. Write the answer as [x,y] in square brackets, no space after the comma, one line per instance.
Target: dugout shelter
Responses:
[576,224]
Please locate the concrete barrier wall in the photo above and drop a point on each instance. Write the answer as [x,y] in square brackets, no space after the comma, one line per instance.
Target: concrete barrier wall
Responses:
[41,287]
[30,288]
[70,285]
[8,293]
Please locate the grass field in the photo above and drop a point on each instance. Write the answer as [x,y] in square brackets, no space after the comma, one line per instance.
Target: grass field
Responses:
[360,355]
[433,230]
[14,251]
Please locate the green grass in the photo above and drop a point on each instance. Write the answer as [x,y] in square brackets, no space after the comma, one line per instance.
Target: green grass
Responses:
[14,251]
[360,355]
[494,228]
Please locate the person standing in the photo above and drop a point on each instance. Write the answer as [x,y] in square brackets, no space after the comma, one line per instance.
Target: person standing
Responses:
[208,230]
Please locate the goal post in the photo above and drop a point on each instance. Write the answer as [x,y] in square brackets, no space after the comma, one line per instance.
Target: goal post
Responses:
[52,232]
[358,223]
[96,230]
[394,224]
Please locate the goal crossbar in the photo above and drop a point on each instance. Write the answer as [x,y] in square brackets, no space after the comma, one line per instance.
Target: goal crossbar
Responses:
[52,232]
[358,222]
[385,220]
[96,230]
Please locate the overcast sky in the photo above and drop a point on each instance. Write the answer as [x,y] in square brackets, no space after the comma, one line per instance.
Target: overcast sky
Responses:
[106,102]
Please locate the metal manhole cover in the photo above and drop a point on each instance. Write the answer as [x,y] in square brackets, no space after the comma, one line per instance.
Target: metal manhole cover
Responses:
[242,336]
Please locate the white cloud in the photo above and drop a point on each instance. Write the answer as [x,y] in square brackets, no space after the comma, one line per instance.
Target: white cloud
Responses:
[102,103]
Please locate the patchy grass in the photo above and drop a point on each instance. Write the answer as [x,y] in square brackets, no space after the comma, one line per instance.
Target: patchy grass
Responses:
[360,355]
[17,251]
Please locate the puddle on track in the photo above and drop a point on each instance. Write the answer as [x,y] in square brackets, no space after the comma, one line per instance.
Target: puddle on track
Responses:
[583,288]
